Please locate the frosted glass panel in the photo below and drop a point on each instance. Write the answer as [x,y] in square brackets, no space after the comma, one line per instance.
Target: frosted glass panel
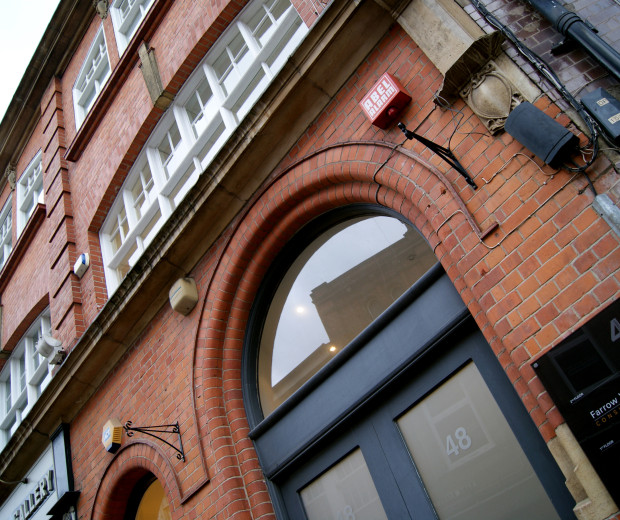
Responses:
[345,491]
[469,459]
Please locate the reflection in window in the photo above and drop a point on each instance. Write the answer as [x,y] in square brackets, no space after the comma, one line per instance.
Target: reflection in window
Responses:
[334,290]
[24,376]
[29,191]
[6,228]
[154,504]
[126,18]
[92,78]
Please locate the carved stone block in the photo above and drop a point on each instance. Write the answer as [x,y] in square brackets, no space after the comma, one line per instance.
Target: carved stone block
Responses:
[491,96]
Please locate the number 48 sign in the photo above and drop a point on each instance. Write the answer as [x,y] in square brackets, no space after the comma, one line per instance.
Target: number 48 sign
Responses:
[461,432]
[615,330]
[463,442]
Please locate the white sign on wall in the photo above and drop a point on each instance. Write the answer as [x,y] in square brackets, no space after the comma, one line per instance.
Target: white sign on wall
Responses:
[32,500]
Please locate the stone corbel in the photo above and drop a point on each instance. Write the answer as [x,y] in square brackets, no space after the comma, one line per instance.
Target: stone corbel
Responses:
[10,175]
[471,61]
[150,72]
[491,96]
[476,56]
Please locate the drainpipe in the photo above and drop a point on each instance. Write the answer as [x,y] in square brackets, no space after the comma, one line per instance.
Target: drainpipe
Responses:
[572,26]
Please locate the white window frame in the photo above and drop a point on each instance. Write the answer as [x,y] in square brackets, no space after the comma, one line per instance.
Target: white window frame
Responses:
[6,232]
[24,376]
[126,18]
[29,191]
[194,141]
[93,75]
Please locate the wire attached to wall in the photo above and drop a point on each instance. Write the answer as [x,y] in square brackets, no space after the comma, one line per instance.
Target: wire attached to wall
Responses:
[13,482]
[547,72]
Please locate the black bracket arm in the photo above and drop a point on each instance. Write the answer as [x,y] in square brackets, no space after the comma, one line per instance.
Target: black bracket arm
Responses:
[445,153]
[152,430]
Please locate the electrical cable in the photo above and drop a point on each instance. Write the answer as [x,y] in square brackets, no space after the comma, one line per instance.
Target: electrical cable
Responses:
[545,70]
[12,482]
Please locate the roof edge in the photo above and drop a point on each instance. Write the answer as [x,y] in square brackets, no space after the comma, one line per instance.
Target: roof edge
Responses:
[57,45]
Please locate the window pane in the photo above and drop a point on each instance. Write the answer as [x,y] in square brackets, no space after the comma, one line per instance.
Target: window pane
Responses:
[344,491]
[22,372]
[124,8]
[168,146]
[260,24]
[93,75]
[6,226]
[333,291]
[120,230]
[470,461]
[7,396]
[29,191]
[279,7]
[222,65]
[154,504]
[237,48]
[141,191]
[198,105]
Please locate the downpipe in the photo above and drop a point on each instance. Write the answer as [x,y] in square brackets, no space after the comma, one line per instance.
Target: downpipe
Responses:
[572,26]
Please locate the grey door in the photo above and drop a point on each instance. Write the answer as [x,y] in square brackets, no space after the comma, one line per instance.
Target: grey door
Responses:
[447,438]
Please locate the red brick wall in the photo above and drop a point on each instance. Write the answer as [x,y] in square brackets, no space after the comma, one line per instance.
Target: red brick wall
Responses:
[25,282]
[63,286]
[550,266]
[126,123]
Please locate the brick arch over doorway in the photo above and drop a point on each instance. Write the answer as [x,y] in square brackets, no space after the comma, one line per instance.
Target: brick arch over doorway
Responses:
[133,462]
[377,173]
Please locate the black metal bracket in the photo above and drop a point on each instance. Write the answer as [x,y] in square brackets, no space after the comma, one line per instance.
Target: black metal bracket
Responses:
[566,45]
[445,153]
[152,430]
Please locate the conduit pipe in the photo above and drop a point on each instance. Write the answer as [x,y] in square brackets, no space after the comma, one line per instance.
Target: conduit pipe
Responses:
[571,25]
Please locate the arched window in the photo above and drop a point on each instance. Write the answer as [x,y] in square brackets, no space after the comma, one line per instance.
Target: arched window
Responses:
[370,390]
[342,280]
[148,501]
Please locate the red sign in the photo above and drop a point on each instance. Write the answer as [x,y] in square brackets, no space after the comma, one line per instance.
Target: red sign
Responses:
[384,101]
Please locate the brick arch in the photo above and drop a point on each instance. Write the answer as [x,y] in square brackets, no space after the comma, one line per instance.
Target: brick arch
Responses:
[378,173]
[120,477]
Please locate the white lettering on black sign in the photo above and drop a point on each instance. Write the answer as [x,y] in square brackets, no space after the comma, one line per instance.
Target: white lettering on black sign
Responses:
[576,398]
[606,412]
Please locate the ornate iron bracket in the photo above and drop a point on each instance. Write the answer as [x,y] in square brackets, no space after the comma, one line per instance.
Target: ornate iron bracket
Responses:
[445,153]
[152,430]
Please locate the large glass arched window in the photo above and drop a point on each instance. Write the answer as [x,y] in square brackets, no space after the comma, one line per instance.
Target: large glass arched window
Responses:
[337,285]
[369,387]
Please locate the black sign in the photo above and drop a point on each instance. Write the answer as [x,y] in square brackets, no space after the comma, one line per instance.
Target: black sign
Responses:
[582,375]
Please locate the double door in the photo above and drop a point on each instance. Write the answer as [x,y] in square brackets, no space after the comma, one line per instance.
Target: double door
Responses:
[446,438]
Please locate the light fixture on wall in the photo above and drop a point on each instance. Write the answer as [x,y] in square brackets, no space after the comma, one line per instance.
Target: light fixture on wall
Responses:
[103,7]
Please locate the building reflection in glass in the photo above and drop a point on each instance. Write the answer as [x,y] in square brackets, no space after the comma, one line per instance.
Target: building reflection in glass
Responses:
[340,283]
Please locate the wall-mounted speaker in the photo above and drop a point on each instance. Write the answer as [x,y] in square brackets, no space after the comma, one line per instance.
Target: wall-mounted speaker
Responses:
[540,134]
